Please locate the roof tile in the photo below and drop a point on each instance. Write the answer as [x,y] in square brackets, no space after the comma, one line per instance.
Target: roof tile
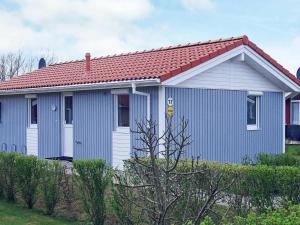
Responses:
[160,63]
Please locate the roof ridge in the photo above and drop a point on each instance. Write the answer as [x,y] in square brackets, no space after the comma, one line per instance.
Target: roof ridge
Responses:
[211,41]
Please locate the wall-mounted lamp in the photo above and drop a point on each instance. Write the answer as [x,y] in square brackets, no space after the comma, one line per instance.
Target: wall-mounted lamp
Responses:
[53,108]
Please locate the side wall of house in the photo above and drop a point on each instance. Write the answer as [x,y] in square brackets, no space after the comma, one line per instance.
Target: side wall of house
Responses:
[49,125]
[138,111]
[13,123]
[93,124]
[218,123]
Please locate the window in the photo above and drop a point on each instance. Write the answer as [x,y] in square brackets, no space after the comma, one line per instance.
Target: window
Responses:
[69,109]
[252,112]
[295,112]
[33,110]
[123,110]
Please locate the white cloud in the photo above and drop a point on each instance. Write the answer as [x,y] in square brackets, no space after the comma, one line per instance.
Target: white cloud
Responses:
[71,27]
[198,4]
[287,53]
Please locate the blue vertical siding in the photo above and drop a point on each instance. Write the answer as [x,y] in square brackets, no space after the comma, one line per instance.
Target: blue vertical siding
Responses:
[218,123]
[49,125]
[93,124]
[138,111]
[13,123]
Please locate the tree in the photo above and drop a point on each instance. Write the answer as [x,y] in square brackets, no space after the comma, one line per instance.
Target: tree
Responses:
[159,187]
[16,63]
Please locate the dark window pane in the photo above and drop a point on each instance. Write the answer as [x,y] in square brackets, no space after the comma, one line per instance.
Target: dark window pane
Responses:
[69,109]
[123,110]
[251,110]
[33,111]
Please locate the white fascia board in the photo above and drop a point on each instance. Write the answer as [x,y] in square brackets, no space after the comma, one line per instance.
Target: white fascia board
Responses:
[290,95]
[204,66]
[84,87]
[272,69]
[241,50]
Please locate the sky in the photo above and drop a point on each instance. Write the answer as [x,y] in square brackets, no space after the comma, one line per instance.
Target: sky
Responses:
[70,28]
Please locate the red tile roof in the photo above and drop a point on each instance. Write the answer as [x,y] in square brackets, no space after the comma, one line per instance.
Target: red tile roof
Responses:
[162,63]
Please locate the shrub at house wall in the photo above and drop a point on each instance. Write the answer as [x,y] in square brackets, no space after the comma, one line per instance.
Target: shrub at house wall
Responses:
[28,170]
[280,216]
[277,159]
[93,178]
[244,188]
[8,175]
[51,180]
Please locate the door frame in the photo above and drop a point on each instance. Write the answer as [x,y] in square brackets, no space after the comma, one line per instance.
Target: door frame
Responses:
[63,125]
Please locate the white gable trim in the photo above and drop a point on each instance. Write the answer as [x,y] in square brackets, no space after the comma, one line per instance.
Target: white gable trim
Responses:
[240,51]
[272,69]
[203,67]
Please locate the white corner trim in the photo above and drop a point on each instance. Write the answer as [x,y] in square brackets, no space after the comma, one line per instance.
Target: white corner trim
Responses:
[255,93]
[283,122]
[120,91]
[161,116]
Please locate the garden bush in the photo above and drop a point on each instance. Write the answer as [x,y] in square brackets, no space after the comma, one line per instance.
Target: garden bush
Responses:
[28,171]
[250,188]
[8,175]
[279,216]
[277,159]
[51,180]
[93,177]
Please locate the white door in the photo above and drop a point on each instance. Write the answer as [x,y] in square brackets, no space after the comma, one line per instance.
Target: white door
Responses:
[32,128]
[121,135]
[67,127]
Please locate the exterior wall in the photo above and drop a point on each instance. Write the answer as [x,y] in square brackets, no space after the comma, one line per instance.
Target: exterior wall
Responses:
[49,125]
[13,123]
[138,110]
[218,123]
[232,75]
[93,124]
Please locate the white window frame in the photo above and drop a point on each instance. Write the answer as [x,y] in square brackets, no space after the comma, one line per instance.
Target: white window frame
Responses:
[29,99]
[257,95]
[119,128]
[65,94]
[291,111]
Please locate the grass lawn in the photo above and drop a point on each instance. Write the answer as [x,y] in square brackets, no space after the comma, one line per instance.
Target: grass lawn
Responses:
[14,214]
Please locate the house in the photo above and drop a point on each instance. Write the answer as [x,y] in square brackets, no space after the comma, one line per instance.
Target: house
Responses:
[230,90]
[293,116]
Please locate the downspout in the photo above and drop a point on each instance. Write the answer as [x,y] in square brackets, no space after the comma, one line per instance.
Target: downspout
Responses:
[135,92]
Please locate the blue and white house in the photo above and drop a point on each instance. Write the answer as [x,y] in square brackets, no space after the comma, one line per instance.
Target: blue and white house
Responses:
[232,93]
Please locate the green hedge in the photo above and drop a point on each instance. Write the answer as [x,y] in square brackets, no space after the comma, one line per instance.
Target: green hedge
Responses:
[93,177]
[255,187]
[30,177]
[8,175]
[280,216]
[277,159]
